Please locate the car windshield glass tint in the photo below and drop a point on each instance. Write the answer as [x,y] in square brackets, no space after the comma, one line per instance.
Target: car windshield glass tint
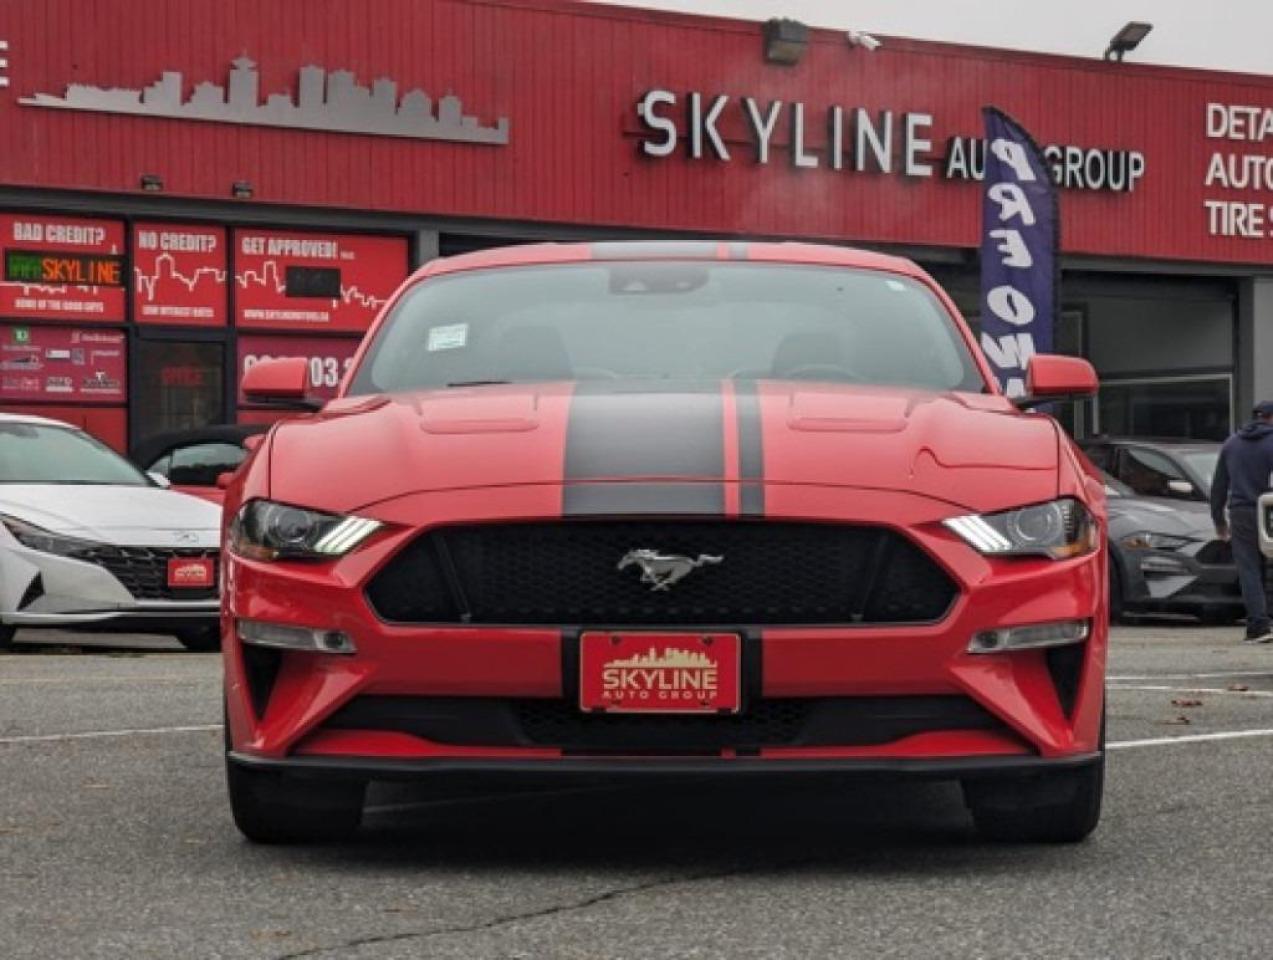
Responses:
[30,453]
[1203,465]
[669,320]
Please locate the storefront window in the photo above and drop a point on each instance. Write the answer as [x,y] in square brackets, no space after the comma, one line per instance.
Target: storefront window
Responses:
[1196,408]
[178,385]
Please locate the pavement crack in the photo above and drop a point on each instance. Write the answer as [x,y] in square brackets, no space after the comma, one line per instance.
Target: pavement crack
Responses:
[512,918]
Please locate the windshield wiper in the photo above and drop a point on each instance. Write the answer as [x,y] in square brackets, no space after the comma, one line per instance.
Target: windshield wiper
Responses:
[478,383]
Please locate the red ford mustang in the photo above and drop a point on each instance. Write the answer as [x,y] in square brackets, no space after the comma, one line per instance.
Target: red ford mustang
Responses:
[660,509]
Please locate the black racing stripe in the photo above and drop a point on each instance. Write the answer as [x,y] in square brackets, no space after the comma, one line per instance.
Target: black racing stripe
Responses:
[632,429]
[660,499]
[751,453]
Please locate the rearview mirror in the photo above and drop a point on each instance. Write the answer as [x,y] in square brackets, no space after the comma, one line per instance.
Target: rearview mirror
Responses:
[159,479]
[1051,378]
[280,382]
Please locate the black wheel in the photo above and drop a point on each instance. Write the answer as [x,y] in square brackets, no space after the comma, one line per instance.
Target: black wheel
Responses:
[1062,807]
[1116,612]
[6,637]
[200,639]
[272,808]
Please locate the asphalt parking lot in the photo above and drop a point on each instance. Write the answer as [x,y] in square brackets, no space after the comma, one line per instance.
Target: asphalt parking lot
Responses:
[116,841]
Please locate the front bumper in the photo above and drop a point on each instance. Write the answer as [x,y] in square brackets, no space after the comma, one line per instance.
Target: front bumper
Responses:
[45,590]
[1172,580]
[513,772]
[281,704]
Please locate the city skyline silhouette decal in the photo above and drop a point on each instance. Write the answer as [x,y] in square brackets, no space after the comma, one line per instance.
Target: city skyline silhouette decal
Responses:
[328,101]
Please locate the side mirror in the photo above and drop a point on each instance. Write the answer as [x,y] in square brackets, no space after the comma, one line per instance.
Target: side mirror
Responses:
[280,382]
[1051,378]
[159,479]
[224,478]
[250,443]
[1181,488]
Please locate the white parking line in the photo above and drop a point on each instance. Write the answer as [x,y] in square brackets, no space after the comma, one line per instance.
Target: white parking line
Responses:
[207,727]
[1194,676]
[18,681]
[1189,738]
[1208,690]
[100,734]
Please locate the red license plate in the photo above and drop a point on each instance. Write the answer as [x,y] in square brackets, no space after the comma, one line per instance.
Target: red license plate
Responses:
[191,572]
[659,672]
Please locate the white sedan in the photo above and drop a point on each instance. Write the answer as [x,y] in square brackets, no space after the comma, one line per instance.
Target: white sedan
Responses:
[89,542]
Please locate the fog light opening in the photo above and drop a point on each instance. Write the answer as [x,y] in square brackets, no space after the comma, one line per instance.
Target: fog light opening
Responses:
[285,636]
[1031,637]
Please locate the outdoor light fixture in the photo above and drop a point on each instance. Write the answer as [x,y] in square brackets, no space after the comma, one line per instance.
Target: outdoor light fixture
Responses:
[241,190]
[1128,38]
[151,182]
[785,41]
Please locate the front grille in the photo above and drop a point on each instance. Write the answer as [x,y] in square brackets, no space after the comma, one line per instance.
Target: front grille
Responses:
[559,723]
[144,570]
[566,573]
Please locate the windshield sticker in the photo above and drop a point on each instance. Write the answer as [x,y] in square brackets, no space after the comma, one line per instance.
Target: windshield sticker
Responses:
[450,337]
[896,285]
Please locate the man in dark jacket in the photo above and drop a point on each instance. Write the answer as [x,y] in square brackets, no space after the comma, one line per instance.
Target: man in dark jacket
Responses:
[1243,473]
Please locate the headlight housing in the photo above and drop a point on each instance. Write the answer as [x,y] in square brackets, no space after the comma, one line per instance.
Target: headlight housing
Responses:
[266,530]
[37,538]
[1144,540]
[1058,529]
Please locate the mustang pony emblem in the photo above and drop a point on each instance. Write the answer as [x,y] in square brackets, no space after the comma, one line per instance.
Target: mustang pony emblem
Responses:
[661,570]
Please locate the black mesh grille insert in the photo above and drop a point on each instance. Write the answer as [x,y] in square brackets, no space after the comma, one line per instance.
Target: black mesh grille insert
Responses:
[144,570]
[818,721]
[566,573]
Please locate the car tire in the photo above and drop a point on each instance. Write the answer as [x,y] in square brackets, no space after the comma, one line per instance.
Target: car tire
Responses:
[6,637]
[271,808]
[1062,807]
[200,639]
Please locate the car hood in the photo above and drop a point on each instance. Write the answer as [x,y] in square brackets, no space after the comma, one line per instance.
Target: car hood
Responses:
[134,516]
[976,451]
[1182,518]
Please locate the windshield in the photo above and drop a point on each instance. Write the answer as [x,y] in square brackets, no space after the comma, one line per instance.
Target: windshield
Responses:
[1203,466]
[33,453]
[668,320]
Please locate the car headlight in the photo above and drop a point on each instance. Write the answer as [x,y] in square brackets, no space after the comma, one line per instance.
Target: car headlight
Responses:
[1154,541]
[265,530]
[1057,529]
[37,538]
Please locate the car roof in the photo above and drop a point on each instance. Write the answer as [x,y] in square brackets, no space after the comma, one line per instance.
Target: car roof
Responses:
[37,421]
[152,447]
[723,250]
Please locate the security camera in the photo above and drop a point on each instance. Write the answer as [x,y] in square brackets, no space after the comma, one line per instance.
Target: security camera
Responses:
[859,39]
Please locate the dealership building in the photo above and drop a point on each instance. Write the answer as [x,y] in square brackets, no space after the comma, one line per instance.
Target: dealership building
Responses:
[186,188]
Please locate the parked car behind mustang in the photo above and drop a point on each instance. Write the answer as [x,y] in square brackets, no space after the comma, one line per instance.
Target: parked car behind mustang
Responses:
[196,461]
[1165,558]
[89,542]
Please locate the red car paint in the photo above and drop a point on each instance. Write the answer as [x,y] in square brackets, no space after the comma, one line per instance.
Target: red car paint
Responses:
[901,459]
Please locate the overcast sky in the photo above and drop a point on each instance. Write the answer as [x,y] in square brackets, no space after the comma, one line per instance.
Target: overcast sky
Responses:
[1219,34]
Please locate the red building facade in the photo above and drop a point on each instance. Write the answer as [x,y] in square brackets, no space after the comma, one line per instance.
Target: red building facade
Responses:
[187,188]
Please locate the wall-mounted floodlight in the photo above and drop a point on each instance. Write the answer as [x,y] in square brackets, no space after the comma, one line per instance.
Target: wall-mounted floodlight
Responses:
[785,41]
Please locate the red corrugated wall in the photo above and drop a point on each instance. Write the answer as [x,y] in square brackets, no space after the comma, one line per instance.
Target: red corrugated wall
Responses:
[568,76]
